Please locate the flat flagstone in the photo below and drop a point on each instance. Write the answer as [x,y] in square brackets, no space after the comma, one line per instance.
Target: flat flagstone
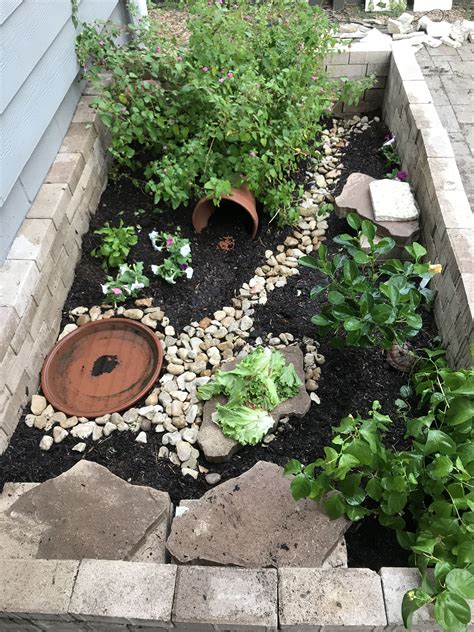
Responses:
[355,198]
[393,201]
[216,446]
[87,512]
[253,521]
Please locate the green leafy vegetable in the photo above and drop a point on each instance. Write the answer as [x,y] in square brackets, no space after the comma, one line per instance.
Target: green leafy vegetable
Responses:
[257,385]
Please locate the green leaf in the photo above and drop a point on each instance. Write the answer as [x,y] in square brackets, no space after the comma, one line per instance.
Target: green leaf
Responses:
[336,298]
[334,506]
[354,221]
[320,320]
[417,251]
[382,314]
[361,257]
[300,487]
[460,410]
[452,611]
[368,229]
[307,261]
[461,582]
[439,441]
[293,467]
[440,467]
[316,291]
[374,489]
[411,602]
[352,324]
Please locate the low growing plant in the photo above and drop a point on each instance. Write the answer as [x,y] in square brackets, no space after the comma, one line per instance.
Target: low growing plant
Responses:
[176,263]
[425,493]
[127,284]
[116,244]
[370,303]
[256,386]
[238,104]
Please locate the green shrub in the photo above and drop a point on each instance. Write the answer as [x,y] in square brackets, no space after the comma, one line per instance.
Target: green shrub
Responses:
[430,485]
[370,303]
[240,103]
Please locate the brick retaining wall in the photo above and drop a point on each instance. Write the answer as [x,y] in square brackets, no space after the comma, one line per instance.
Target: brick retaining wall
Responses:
[116,596]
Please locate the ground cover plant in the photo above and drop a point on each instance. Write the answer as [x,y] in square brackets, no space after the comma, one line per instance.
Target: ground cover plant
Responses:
[116,244]
[242,107]
[425,493]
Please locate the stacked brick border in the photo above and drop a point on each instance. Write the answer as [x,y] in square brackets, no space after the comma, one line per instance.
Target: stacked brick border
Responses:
[446,217]
[116,596]
[39,269]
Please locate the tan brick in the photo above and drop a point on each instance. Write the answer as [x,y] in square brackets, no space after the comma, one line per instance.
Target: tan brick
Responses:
[4,439]
[19,363]
[379,70]
[11,415]
[93,90]
[436,143]
[452,209]
[48,310]
[379,56]
[50,203]
[23,329]
[424,115]
[357,54]
[444,174]
[363,106]
[356,70]
[374,95]
[18,279]
[337,58]
[462,248]
[86,114]
[405,63]
[33,241]
[79,139]
[9,321]
[66,169]
[416,92]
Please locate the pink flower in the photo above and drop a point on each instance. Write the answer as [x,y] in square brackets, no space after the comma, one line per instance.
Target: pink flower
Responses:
[158,49]
[204,68]
[116,290]
[221,80]
[179,58]
[402,176]
[169,241]
[230,75]
[252,154]
[313,78]
[165,170]
[101,43]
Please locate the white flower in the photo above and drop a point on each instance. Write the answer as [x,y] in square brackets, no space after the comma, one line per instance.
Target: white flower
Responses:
[136,286]
[153,235]
[123,268]
[390,141]
[153,238]
[105,288]
[189,272]
[154,269]
[170,280]
[185,250]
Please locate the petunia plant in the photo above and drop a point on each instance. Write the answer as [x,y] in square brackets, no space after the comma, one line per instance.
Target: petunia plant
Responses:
[127,284]
[178,256]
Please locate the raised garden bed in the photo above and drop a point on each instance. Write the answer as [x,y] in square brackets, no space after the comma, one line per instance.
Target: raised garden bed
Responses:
[351,379]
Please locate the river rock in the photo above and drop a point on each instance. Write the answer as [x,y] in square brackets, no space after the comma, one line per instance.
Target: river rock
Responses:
[252,521]
[46,442]
[38,404]
[393,201]
[85,513]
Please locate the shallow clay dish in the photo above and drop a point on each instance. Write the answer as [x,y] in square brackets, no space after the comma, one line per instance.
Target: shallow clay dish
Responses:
[102,367]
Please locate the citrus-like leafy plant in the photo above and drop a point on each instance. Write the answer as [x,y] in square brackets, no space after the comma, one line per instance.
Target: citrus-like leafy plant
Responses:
[116,244]
[240,103]
[127,284]
[178,250]
[370,303]
[430,485]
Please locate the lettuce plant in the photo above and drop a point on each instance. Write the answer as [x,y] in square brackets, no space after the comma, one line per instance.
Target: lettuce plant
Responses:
[256,386]
[368,302]
[178,250]
[241,102]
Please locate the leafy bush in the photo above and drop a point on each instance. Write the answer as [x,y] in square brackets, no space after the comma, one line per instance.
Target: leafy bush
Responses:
[429,485]
[127,284]
[370,303]
[176,264]
[240,103]
[116,244]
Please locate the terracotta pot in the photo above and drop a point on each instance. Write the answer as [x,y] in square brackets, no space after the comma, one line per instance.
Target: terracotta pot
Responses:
[242,196]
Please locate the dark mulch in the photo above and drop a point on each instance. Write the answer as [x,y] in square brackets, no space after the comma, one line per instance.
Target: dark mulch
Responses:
[351,378]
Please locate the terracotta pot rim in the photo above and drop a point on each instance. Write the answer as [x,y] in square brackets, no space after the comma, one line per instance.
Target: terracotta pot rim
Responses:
[51,392]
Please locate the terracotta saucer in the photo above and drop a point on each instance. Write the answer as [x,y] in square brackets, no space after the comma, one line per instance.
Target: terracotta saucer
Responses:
[103,367]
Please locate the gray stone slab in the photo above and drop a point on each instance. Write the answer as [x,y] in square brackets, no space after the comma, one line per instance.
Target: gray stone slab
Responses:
[230,599]
[252,521]
[124,592]
[87,512]
[216,446]
[355,198]
[335,599]
[42,587]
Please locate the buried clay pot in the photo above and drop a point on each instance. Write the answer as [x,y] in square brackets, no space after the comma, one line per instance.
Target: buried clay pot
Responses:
[102,367]
[242,197]
[401,357]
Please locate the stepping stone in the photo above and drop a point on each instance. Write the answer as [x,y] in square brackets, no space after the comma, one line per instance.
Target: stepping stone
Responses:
[355,198]
[87,512]
[393,201]
[218,448]
[252,521]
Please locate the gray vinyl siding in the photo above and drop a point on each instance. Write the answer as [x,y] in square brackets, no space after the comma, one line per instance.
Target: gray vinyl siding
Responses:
[39,91]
